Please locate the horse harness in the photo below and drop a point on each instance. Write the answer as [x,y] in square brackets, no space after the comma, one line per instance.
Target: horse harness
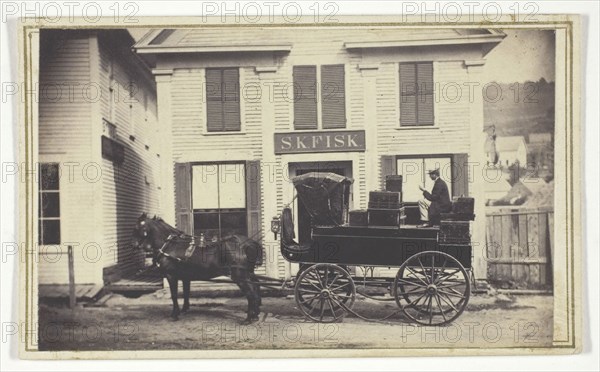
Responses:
[189,252]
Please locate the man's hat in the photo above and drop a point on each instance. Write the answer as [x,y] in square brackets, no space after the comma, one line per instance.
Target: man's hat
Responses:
[436,171]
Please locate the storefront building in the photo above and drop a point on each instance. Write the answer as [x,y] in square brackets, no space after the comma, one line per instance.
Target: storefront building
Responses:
[243,110]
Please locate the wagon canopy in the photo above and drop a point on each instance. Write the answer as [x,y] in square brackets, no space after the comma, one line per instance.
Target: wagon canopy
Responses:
[325,196]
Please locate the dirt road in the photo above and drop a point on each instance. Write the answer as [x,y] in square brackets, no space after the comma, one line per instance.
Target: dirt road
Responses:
[144,323]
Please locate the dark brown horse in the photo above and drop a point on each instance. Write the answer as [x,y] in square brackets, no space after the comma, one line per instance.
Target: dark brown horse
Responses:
[186,258]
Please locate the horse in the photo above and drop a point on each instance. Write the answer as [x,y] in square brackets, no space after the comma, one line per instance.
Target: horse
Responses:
[186,258]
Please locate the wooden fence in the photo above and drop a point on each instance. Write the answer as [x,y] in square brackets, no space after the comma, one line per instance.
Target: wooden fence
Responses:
[519,247]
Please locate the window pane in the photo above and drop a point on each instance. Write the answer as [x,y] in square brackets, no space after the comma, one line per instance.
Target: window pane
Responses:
[206,223]
[234,223]
[232,186]
[49,176]
[412,177]
[49,232]
[49,204]
[444,165]
[205,192]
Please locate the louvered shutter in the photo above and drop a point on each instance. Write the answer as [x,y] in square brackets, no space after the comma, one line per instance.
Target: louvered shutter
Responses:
[460,175]
[416,94]
[305,97]
[183,197]
[214,104]
[231,100]
[388,167]
[408,89]
[333,96]
[253,199]
[425,94]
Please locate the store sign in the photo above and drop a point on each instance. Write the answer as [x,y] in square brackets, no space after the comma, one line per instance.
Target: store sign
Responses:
[308,142]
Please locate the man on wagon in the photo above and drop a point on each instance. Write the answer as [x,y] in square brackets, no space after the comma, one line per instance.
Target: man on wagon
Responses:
[435,202]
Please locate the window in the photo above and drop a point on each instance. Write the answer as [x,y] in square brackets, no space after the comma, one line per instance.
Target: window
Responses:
[223,100]
[414,174]
[219,199]
[49,204]
[416,94]
[332,97]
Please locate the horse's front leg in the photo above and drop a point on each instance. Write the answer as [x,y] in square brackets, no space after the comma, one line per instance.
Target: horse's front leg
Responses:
[173,282]
[186,295]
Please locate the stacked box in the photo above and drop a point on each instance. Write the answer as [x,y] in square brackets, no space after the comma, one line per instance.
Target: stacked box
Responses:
[386,217]
[454,232]
[385,200]
[358,218]
[393,183]
[463,206]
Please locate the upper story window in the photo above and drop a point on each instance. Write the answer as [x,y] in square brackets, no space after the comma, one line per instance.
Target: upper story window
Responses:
[332,94]
[223,100]
[416,94]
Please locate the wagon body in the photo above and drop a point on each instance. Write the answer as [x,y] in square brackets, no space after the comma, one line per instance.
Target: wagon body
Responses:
[373,246]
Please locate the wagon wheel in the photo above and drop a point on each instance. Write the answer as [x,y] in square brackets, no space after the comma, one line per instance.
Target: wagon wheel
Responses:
[324,291]
[432,288]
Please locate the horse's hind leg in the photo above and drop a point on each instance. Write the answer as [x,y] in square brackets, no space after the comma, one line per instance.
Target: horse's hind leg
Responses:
[173,287]
[186,296]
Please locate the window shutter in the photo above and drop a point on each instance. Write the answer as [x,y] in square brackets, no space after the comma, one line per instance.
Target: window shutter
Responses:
[333,96]
[388,167]
[253,200]
[214,104]
[416,94]
[425,93]
[408,90]
[231,99]
[183,197]
[460,175]
[305,97]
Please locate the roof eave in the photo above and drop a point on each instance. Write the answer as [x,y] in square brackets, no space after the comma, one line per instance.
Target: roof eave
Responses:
[471,39]
[212,49]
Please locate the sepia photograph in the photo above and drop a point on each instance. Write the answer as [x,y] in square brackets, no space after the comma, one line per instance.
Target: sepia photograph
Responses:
[354,188]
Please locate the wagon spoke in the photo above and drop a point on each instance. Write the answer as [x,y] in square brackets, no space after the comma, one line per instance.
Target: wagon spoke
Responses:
[417,290]
[330,303]
[451,285]
[306,290]
[437,299]
[432,269]
[422,267]
[322,309]
[451,294]
[337,275]
[309,299]
[411,283]
[441,271]
[313,307]
[430,308]
[448,301]
[416,277]
[446,275]
[340,286]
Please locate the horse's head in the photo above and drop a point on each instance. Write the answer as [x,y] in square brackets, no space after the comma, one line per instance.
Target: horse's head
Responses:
[143,234]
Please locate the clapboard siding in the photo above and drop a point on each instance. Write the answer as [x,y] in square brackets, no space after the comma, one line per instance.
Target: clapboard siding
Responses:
[130,188]
[65,118]
[188,110]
